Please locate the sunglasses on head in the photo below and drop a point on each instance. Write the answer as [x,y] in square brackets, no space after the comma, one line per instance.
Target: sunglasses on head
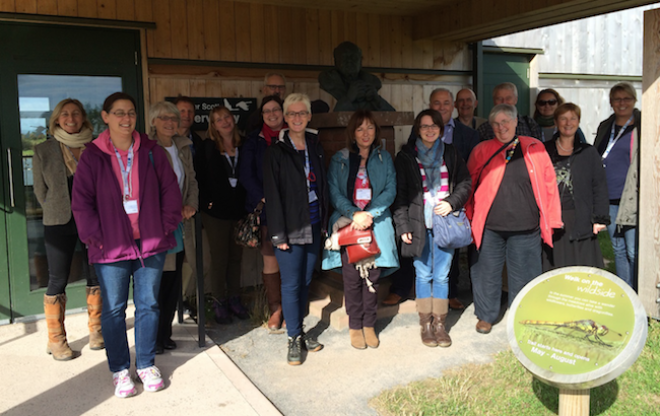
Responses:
[542,103]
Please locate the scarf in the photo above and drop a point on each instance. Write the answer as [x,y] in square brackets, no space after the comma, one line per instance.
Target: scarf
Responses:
[76,141]
[431,159]
[270,134]
[545,121]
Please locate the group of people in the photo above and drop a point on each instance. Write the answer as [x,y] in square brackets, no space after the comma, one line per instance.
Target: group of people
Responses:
[533,204]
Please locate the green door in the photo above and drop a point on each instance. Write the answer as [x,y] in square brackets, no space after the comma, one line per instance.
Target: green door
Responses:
[43,65]
[506,67]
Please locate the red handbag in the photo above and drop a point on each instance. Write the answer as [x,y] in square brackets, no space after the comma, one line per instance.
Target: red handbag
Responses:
[359,244]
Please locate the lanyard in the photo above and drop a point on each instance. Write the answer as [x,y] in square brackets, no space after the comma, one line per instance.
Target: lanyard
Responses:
[308,173]
[126,171]
[233,165]
[613,139]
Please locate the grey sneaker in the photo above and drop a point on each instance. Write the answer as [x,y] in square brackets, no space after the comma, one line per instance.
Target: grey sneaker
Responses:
[311,345]
[294,354]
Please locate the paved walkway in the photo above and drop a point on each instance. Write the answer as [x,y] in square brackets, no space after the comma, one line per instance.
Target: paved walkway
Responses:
[199,381]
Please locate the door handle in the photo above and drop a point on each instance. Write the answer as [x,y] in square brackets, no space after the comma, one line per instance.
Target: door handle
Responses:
[12,202]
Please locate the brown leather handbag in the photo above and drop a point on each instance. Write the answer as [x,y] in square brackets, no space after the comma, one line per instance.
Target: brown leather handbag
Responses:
[359,244]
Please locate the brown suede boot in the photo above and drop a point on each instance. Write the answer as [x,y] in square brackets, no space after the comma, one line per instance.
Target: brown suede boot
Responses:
[425,308]
[273,285]
[94,308]
[54,307]
[440,310]
[357,339]
[370,337]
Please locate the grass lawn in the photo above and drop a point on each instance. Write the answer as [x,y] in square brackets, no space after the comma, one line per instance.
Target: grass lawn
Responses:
[504,387]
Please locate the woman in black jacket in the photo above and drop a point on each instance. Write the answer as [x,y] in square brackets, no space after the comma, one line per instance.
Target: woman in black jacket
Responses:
[297,197]
[583,194]
[223,204]
[432,179]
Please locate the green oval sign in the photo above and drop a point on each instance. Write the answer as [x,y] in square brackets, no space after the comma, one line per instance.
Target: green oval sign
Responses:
[577,327]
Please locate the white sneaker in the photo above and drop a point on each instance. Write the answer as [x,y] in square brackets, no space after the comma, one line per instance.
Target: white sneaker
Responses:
[124,386]
[151,378]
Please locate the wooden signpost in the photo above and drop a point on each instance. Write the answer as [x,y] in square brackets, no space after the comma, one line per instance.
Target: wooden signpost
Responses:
[576,328]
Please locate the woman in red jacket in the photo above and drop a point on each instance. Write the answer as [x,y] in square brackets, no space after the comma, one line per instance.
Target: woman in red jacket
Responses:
[514,204]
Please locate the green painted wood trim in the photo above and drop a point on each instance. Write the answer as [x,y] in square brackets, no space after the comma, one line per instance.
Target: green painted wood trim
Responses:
[523,51]
[591,77]
[84,21]
[301,67]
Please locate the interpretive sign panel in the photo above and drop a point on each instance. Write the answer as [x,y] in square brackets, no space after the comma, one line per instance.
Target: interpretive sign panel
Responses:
[577,327]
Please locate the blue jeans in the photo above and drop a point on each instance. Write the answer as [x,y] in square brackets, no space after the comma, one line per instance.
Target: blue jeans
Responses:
[432,270]
[625,248]
[296,268]
[522,253]
[115,279]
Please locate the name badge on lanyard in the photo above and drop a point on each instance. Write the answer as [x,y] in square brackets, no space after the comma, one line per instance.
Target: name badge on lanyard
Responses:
[309,176]
[130,203]
[233,181]
[613,140]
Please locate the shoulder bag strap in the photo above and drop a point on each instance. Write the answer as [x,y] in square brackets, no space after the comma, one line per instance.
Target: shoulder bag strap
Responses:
[504,146]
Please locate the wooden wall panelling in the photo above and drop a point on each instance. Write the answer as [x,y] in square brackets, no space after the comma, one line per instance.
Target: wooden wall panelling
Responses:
[211,30]
[373,52]
[125,10]
[337,31]
[242,29]
[386,92]
[107,9]
[286,35]
[256,90]
[66,7]
[162,35]
[350,26]
[385,26]
[195,29]
[243,89]
[313,36]
[406,42]
[26,6]
[396,53]
[143,13]
[272,33]
[197,88]
[363,35]
[179,28]
[214,89]
[299,31]
[325,38]
[257,39]
[396,98]
[178,86]
[47,7]
[229,88]
[227,31]
[423,54]
[7,6]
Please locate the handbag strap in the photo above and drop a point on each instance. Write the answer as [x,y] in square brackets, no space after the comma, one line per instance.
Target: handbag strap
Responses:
[259,208]
[476,185]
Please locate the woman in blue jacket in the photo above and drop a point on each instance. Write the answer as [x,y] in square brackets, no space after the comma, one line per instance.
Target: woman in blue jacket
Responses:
[362,184]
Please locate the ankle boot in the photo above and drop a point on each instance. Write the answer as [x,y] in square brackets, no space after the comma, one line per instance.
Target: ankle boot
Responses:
[54,307]
[357,339]
[273,285]
[425,308]
[370,337]
[440,310]
[94,307]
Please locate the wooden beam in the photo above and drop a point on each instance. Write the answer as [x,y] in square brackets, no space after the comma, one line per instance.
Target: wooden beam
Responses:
[649,170]
[490,19]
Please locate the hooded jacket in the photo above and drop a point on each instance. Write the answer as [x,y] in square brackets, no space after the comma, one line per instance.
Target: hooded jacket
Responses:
[285,187]
[408,206]
[97,206]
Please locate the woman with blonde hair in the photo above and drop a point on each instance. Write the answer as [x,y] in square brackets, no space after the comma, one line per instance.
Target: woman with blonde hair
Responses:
[54,163]
[164,118]
[223,204]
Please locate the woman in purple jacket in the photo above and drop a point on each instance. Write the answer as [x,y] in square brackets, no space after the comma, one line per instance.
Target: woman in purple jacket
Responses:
[127,203]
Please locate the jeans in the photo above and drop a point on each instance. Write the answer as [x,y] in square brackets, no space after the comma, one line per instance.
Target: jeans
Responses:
[115,279]
[432,270]
[625,248]
[522,253]
[296,268]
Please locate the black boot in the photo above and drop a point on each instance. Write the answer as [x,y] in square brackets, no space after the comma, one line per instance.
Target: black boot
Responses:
[294,354]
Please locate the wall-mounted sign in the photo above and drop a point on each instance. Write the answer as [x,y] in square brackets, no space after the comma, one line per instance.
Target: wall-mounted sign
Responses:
[577,327]
[241,108]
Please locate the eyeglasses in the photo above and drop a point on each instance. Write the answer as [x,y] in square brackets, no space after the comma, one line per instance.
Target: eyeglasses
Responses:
[625,100]
[543,103]
[276,87]
[274,111]
[122,114]
[503,123]
[167,118]
[425,127]
[300,113]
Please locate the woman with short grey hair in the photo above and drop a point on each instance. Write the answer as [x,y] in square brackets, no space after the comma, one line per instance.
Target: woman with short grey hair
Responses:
[514,205]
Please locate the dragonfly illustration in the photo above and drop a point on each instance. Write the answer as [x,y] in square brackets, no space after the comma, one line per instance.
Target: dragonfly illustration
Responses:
[586,326]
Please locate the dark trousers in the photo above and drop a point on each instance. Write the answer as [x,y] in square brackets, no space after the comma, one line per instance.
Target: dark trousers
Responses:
[522,253]
[454,274]
[168,296]
[403,279]
[60,245]
[296,268]
[361,304]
